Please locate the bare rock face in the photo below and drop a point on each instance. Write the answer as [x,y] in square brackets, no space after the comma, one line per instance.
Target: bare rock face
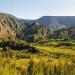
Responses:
[36,32]
[9,27]
[5,29]
[12,28]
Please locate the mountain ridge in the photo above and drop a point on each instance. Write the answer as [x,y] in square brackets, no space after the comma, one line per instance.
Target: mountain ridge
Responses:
[58,21]
[33,30]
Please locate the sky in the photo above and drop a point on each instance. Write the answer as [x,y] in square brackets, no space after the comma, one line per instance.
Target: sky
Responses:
[33,9]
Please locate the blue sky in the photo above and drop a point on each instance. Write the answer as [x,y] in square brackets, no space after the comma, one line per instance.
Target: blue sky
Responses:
[31,9]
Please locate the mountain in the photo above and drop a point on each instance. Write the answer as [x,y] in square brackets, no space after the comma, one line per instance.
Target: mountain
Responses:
[63,34]
[36,32]
[25,21]
[55,22]
[47,27]
[62,20]
[10,27]
[51,21]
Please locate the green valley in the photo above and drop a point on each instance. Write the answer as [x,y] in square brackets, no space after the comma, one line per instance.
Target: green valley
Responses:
[36,48]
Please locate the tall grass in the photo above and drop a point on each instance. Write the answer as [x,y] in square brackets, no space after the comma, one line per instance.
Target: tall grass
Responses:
[37,66]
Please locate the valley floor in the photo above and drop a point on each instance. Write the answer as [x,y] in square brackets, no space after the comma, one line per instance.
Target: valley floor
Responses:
[48,61]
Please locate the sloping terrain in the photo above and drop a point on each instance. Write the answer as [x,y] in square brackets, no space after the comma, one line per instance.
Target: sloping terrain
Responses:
[36,48]
[55,22]
[9,27]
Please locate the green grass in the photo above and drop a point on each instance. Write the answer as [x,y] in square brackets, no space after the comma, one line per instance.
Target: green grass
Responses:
[37,66]
[40,63]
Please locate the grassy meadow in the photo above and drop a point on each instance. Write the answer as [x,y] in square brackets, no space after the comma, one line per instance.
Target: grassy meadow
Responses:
[51,58]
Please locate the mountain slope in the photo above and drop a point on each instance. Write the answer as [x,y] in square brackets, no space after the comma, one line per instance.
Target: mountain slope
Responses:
[9,26]
[36,32]
[55,22]
[58,21]
[47,27]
